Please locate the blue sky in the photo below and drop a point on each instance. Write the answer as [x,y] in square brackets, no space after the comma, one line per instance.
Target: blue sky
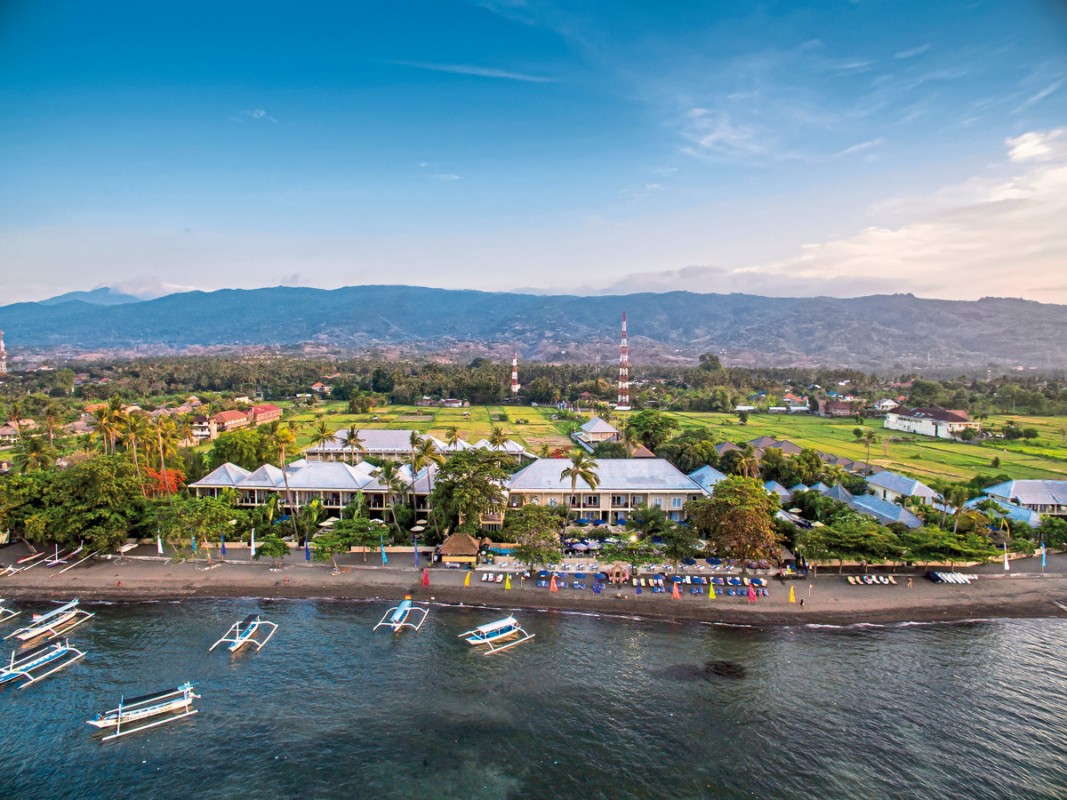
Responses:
[837,148]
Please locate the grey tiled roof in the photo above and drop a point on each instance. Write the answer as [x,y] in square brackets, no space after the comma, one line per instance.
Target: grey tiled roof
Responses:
[622,474]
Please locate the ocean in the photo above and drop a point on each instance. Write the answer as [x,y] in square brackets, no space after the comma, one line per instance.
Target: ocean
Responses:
[593,707]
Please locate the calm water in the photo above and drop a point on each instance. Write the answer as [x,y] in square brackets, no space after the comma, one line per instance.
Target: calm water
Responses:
[591,708]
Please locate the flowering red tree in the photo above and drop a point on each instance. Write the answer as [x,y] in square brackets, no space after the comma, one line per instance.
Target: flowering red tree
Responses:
[161,482]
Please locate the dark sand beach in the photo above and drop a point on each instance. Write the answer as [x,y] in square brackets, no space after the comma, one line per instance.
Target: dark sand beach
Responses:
[1026,591]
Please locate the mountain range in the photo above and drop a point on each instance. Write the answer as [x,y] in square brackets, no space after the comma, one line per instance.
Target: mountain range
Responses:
[878,332]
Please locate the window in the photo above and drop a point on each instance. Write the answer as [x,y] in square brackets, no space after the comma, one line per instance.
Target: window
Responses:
[639,499]
[553,502]
[676,502]
[658,502]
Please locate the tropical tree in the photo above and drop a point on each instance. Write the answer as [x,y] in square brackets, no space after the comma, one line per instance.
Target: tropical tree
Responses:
[354,442]
[869,438]
[321,433]
[452,436]
[357,532]
[538,546]
[497,438]
[650,427]
[135,428]
[470,485]
[583,467]
[273,547]
[647,521]
[389,477]
[738,519]
[33,453]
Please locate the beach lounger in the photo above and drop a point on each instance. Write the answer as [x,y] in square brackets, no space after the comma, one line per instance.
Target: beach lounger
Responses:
[485,577]
[892,580]
[500,578]
[852,579]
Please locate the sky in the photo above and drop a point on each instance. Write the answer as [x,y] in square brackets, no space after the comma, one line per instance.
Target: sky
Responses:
[576,147]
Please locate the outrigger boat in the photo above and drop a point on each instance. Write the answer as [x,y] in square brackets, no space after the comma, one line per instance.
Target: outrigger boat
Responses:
[137,711]
[397,616]
[491,634]
[244,632]
[7,612]
[53,624]
[48,657]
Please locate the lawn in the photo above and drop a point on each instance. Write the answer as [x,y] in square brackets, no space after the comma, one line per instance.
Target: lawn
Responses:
[921,456]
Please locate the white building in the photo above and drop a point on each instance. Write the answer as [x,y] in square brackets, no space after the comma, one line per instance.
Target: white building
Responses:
[939,422]
[1042,497]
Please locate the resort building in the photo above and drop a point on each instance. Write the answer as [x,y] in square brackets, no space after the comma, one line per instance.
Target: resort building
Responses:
[893,487]
[624,485]
[263,414]
[595,431]
[374,443]
[939,422]
[231,420]
[1042,497]
[706,477]
[885,511]
[334,485]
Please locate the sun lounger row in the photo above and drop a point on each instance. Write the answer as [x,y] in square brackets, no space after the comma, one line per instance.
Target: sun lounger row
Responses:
[872,580]
[951,577]
[490,577]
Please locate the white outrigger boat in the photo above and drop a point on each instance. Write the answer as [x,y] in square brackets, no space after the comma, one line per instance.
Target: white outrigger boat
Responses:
[397,616]
[53,624]
[7,612]
[491,634]
[244,632]
[48,657]
[141,712]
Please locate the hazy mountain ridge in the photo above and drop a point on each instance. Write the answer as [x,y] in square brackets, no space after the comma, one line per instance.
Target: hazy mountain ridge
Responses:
[866,332]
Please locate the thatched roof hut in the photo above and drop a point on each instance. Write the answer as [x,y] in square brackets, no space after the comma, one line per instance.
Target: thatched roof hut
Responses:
[459,548]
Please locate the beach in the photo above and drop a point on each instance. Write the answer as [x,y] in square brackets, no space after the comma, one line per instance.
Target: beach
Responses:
[1026,591]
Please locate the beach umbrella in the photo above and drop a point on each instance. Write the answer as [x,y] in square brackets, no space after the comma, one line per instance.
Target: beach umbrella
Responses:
[467,580]
[543,573]
[507,582]
[552,587]
[426,577]
[792,595]
[579,546]
[579,574]
[689,561]
[676,578]
[601,576]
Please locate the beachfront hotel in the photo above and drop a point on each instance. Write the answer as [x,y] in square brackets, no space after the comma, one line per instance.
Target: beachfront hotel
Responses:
[624,485]
[395,445]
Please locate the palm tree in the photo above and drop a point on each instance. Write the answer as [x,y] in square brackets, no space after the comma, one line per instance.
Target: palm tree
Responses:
[52,416]
[414,441]
[321,434]
[544,451]
[498,438]
[284,439]
[583,467]
[452,436]
[426,455]
[135,428]
[165,440]
[33,454]
[870,437]
[354,441]
[109,421]
[389,478]
[748,466]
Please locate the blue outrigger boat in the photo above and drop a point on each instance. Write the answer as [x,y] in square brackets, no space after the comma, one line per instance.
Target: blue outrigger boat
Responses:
[492,634]
[148,711]
[397,616]
[27,666]
[244,632]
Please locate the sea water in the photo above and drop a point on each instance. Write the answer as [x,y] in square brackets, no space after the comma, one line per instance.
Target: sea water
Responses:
[593,707]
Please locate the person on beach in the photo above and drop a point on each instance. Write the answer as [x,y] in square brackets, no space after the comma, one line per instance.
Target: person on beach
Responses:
[909,583]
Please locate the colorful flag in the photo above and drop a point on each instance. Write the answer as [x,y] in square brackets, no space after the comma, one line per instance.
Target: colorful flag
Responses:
[222,546]
[253,548]
[1043,558]
[792,595]
[426,577]
[1007,566]
[194,545]
[507,582]
[307,548]
[159,544]
[467,580]
[711,590]
[385,558]
[416,551]
[675,593]
[552,587]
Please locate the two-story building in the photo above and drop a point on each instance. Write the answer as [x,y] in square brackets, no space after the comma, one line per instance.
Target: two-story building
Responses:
[231,420]
[593,432]
[893,487]
[262,414]
[624,484]
[1042,497]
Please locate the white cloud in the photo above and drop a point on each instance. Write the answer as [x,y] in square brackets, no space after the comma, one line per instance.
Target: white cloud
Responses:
[860,147]
[1002,236]
[256,114]
[911,53]
[476,71]
[1041,94]
[447,176]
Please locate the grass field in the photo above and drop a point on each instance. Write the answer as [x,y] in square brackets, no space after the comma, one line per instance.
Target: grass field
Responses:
[921,456]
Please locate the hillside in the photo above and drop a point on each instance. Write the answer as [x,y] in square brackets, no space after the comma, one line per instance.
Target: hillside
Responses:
[868,332]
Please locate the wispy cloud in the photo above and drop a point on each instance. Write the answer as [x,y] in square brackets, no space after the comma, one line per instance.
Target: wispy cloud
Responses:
[911,53]
[1041,94]
[257,114]
[446,176]
[860,147]
[476,71]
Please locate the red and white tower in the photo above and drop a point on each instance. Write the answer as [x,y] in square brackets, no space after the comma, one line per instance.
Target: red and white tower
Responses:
[515,374]
[3,355]
[624,370]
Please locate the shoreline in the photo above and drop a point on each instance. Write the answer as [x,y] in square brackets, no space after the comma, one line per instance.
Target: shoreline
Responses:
[828,599]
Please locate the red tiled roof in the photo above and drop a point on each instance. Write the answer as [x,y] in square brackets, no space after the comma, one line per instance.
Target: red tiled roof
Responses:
[230,416]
